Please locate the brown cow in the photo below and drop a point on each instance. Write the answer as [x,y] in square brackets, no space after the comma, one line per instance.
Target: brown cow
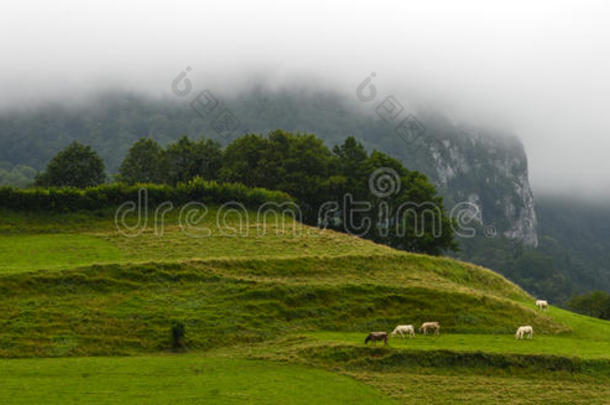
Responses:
[375,336]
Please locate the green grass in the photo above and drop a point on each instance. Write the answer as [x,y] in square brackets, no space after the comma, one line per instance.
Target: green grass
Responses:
[270,317]
[176,379]
[429,388]
[53,251]
[128,309]
[570,345]
[32,241]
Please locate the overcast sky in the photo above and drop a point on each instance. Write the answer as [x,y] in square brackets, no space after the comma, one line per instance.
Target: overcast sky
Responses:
[541,69]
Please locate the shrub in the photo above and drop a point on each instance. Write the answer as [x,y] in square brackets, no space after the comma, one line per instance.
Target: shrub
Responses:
[112,195]
[594,303]
[178,333]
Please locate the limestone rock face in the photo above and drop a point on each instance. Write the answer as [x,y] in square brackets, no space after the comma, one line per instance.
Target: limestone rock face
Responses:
[486,169]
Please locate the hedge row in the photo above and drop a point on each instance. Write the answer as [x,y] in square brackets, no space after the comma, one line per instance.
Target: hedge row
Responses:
[115,194]
[387,358]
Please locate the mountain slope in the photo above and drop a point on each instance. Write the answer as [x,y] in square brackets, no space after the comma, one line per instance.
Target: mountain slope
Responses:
[313,280]
[285,283]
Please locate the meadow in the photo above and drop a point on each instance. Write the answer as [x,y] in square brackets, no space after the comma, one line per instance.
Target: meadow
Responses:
[179,379]
[272,314]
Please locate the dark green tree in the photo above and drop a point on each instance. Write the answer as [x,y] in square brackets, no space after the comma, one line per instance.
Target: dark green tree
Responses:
[297,164]
[187,159]
[144,163]
[353,166]
[243,161]
[406,211]
[76,166]
[594,303]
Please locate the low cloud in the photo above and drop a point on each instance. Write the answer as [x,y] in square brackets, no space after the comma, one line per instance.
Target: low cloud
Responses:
[538,69]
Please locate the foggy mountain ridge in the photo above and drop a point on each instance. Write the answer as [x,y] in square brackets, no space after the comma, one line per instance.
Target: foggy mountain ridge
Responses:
[486,168]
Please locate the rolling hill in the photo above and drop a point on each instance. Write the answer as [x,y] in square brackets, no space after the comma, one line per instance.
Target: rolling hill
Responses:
[275,313]
[481,167]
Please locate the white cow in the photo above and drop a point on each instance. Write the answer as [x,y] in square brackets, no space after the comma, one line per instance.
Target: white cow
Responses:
[524,330]
[402,329]
[426,326]
[542,305]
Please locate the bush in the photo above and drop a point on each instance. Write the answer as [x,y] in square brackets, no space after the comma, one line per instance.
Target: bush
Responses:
[65,199]
[178,332]
[594,303]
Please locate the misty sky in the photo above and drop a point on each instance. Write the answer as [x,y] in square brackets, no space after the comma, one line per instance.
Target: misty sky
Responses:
[540,69]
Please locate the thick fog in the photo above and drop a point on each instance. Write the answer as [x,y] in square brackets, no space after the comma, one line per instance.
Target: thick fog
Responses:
[540,69]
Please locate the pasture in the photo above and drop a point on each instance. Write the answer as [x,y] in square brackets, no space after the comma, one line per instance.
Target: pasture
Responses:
[184,379]
[273,317]
[561,345]
[41,241]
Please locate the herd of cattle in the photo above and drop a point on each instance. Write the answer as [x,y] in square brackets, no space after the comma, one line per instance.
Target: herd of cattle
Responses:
[435,327]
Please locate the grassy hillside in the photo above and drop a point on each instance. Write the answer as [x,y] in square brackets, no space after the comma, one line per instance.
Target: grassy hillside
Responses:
[268,313]
[35,241]
[175,379]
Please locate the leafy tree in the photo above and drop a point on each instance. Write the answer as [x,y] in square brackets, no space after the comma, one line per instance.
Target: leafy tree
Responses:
[143,164]
[76,166]
[299,165]
[406,211]
[243,161]
[594,303]
[353,165]
[187,159]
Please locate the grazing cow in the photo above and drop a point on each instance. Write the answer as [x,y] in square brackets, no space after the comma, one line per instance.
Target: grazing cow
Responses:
[375,336]
[542,305]
[402,329]
[524,330]
[430,325]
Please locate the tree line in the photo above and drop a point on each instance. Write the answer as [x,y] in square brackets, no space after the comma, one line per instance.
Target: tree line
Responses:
[593,303]
[301,165]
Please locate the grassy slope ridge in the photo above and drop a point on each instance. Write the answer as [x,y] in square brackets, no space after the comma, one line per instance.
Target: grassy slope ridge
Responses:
[125,309]
[70,285]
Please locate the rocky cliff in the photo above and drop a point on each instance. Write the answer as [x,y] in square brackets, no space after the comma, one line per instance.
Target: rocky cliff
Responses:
[482,168]
[487,169]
